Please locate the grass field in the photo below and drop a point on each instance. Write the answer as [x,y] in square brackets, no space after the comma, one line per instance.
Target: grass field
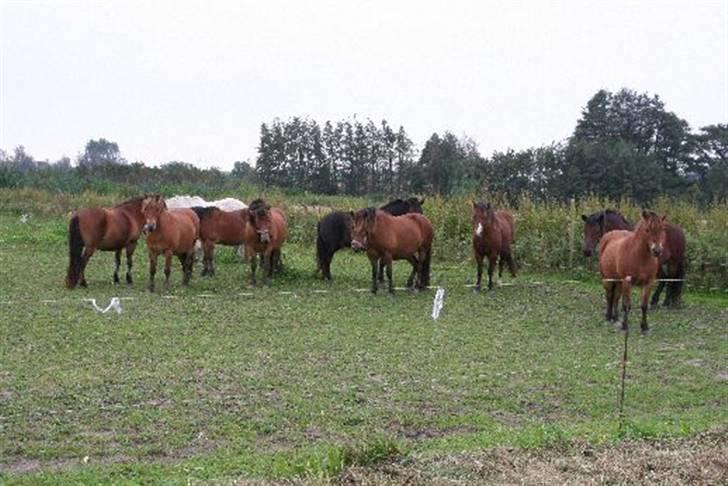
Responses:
[223,381]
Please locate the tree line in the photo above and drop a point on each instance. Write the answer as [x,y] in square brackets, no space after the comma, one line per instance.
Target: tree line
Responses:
[625,144]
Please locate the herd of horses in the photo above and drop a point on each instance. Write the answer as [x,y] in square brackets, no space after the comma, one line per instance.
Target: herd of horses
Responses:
[629,255]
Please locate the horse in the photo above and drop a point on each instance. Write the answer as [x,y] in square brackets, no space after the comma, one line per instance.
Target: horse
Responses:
[106,229]
[673,259]
[385,238]
[628,258]
[265,234]
[169,232]
[493,235]
[219,227]
[334,232]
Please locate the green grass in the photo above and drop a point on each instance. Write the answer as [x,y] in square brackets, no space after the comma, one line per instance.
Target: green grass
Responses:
[220,380]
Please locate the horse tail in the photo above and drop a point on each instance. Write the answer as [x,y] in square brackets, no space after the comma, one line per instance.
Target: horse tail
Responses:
[675,288]
[425,275]
[75,250]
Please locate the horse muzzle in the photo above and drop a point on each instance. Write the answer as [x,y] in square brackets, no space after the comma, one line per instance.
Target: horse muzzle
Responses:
[588,252]
[148,228]
[656,250]
[264,236]
[357,245]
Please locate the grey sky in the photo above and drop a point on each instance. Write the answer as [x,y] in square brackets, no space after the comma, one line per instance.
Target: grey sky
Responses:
[192,81]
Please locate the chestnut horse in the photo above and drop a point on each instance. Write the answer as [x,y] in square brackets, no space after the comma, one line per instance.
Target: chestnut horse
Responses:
[385,237]
[493,235]
[106,229]
[628,258]
[673,259]
[265,234]
[222,228]
[334,232]
[169,232]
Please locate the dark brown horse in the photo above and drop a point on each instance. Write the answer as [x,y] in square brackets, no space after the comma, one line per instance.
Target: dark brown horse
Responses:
[222,228]
[673,259]
[385,237]
[106,229]
[265,234]
[493,235]
[169,232]
[334,232]
[628,258]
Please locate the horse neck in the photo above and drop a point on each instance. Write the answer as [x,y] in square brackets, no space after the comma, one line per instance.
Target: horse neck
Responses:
[134,210]
[637,243]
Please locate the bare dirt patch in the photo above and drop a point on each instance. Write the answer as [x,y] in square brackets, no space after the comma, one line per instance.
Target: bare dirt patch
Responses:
[702,459]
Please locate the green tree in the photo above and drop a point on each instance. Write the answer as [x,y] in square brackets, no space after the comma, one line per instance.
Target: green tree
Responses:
[100,152]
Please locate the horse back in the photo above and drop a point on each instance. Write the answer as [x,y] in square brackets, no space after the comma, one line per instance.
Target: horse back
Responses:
[504,220]
[334,230]
[426,230]
[280,223]
[675,245]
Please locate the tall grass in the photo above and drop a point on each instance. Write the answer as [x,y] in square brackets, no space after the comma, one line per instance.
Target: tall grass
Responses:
[548,234]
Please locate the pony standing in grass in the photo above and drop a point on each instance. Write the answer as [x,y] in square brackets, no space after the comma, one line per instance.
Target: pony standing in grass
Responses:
[169,232]
[106,229]
[386,238]
[265,234]
[628,258]
[493,235]
[222,228]
[673,259]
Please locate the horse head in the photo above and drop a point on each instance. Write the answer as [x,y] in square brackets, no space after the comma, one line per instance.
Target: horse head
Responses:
[483,218]
[259,217]
[415,205]
[652,231]
[152,207]
[363,224]
[593,231]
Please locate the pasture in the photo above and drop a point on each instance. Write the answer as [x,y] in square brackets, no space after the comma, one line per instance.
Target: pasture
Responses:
[308,379]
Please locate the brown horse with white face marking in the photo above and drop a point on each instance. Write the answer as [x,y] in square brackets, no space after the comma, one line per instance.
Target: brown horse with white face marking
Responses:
[385,237]
[265,233]
[493,235]
[169,232]
[628,258]
[106,229]
[221,228]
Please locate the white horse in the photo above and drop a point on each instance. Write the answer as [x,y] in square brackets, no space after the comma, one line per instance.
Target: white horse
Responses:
[225,204]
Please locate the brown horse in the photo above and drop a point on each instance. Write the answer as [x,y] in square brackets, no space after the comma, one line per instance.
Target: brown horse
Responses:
[222,228]
[385,237]
[169,232]
[106,229]
[628,258]
[673,259]
[265,234]
[493,235]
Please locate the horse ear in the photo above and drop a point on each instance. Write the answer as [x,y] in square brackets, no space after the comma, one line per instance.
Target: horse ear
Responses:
[645,214]
[487,205]
[422,201]
[664,217]
[351,213]
[583,216]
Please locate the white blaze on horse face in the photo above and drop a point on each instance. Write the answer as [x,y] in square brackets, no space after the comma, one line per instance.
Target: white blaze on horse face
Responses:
[479,229]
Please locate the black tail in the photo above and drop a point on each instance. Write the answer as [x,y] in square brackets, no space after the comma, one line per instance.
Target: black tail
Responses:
[425,275]
[674,289]
[75,250]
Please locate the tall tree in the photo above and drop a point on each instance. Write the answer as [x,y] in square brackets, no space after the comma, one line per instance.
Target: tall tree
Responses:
[100,152]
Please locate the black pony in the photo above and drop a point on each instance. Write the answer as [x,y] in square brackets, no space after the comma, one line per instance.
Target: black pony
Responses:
[334,231]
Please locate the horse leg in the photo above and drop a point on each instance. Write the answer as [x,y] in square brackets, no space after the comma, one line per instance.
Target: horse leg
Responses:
[129,253]
[655,302]
[87,254]
[479,261]
[500,266]
[610,288]
[626,303]
[511,264]
[388,262]
[117,260]
[253,266]
[167,266]
[152,269]
[326,265]
[643,304]
[415,269]
[381,271]
[268,267]
[208,267]
[491,268]
[374,261]
[187,260]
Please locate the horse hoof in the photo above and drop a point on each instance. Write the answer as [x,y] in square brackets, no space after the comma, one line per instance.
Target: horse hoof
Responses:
[476,289]
[83,284]
[129,280]
[646,332]
[116,279]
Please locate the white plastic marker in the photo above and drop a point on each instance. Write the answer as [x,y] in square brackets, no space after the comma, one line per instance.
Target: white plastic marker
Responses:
[438,303]
[114,304]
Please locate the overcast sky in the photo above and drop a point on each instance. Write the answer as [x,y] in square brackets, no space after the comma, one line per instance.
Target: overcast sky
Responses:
[193,81]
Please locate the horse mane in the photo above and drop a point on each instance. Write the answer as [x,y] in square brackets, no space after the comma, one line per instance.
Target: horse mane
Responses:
[203,211]
[258,206]
[617,214]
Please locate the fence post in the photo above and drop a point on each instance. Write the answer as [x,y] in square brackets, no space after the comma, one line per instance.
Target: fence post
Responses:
[572,222]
